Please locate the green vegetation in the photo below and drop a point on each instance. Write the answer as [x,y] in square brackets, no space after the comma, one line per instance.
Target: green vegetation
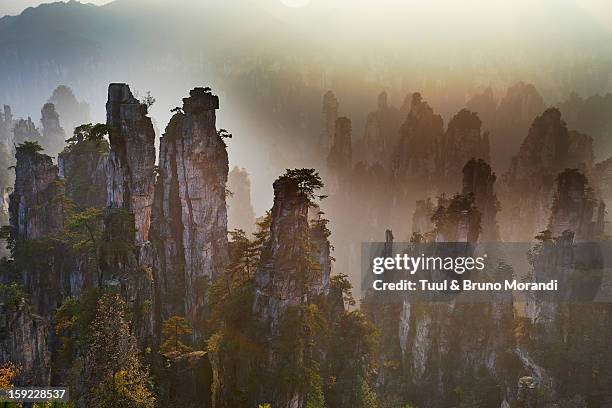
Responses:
[175,332]
[113,370]
[89,132]
[30,147]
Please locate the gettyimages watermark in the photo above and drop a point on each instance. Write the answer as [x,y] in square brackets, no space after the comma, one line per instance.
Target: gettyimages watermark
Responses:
[555,271]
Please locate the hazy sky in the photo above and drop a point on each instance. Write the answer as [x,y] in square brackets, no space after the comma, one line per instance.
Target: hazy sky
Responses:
[17,6]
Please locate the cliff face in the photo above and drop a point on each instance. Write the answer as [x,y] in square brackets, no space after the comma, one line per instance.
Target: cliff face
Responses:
[23,340]
[189,214]
[240,213]
[293,276]
[131,166]
[548,149]
[283,277]
[84,166]
[34,207]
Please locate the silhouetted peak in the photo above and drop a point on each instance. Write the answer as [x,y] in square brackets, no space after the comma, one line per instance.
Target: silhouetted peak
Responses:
[200,100]
[465,119]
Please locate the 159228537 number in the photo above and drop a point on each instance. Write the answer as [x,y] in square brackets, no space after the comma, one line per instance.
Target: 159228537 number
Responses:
[34,394]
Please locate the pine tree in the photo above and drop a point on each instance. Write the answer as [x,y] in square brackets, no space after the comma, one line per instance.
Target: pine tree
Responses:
[174,330]
[113,369]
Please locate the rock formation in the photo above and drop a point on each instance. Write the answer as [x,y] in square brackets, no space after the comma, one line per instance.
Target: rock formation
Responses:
[72,112]
[329,116]
[462,141]
[190,214]
[479,180]
[23,339]
[53,134]
[240,213]
[592,116]
[286,276]
[575,208]
[527,188]
[25,130]
[381,133]
[83,166]
[35,203]
[417,155]
[131,172]
[515,113]
[340,158]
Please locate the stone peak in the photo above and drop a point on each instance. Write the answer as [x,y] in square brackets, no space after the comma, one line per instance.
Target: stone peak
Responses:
[200,100]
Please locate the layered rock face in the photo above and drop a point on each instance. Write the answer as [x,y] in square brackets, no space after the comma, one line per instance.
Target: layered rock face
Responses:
[285,277]
[462,141]
[35,204]
[548,149]
[53,133]
[293,272]
[479,181]
[328,118]
[131,172]
[240,213]
[23,340]
[190,214]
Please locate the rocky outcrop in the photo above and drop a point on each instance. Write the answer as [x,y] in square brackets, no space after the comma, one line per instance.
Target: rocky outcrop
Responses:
[592,116]
[240,213]
[521,104]
[478,181]
[417,156]
[25,130]
[575,208]
[485,105]
[73,112]
[83,166]
[328,119]
[293,278]
[381,133]
[189,221]
[52,132]
[340,158]
[527,188]
[36,201]
[462,141]
[6,126]
[284,277]
[131,165]
[23,339]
